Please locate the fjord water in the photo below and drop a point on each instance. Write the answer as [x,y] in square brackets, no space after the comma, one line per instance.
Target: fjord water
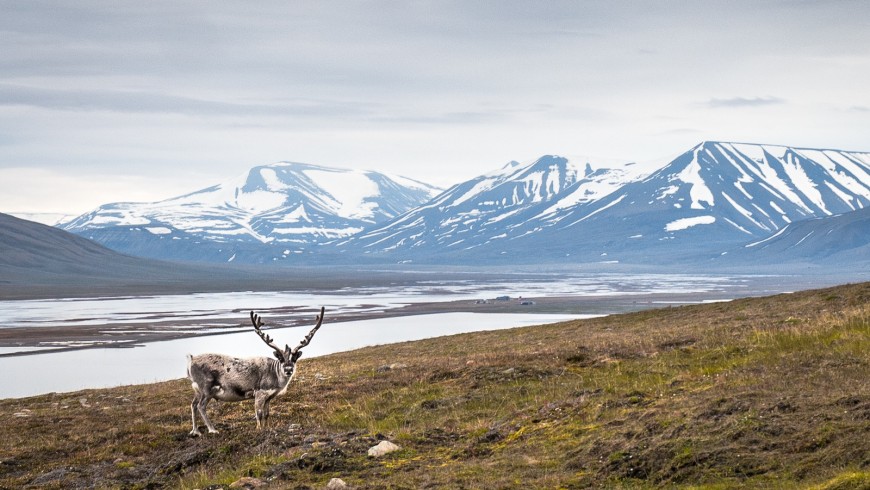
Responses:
[159,361]
[209,313]
[229,308]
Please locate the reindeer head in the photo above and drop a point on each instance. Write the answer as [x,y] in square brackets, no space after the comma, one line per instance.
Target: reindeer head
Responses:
[286,356]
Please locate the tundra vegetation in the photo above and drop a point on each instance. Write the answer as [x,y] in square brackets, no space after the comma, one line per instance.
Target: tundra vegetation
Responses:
[767,393]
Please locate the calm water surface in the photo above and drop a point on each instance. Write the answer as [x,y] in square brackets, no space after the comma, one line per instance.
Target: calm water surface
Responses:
[202,313]
[224,308]
[159,361]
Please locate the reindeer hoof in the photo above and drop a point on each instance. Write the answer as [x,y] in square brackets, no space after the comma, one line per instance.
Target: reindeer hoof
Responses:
[195,433]
[213,431]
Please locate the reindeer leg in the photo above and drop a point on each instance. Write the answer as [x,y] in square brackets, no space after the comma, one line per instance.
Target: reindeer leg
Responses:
[261,409]
[193,404]
[201,408]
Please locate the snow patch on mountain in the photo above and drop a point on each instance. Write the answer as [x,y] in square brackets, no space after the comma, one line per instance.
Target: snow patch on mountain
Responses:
[698,190]
[258,201]
[352,192]
[295,216]
[686,223]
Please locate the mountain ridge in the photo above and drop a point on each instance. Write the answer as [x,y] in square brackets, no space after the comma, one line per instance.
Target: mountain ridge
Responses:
[709,199]
[714,196]
[489,206]
[269,211]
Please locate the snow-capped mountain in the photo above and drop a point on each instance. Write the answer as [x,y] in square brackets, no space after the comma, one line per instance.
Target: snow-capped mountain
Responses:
[721,193]
[753,189]
[708,199]
[516,199]
[271,211]
[714,198]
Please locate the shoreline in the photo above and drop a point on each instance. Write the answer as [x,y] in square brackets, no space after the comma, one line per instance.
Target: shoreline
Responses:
[76,333]
[120,335]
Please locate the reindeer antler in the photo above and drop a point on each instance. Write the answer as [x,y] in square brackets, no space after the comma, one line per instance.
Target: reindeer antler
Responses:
[308,337]
[258,322]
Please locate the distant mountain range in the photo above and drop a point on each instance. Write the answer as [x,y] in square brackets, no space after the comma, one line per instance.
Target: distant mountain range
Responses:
[491,211]
[712,200]
[709,199]
[269,213]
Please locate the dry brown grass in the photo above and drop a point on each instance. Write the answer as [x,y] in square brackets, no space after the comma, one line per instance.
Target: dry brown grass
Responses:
[755,393]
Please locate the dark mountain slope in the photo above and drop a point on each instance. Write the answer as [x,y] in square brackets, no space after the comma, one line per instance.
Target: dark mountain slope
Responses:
[27,245]
[41,261]
[840,240]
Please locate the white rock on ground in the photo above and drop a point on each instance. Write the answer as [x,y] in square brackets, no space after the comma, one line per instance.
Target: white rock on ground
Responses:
[383,447]
[336,483]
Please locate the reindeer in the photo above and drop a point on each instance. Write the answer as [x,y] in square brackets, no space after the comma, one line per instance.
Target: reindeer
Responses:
[231,379]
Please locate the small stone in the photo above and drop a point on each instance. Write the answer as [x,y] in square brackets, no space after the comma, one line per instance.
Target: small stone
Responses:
[336,483]
[383,447]
[391,367]
[247,482]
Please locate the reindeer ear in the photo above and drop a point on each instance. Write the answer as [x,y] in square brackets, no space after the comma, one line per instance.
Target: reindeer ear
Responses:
[279,355]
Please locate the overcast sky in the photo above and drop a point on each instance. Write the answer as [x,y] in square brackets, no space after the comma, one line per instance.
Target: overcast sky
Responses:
[104,101]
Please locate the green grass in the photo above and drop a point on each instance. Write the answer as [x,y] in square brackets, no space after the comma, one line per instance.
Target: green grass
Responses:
[755,393]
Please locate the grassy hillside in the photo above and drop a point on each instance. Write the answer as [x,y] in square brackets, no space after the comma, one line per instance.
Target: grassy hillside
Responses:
[755,393]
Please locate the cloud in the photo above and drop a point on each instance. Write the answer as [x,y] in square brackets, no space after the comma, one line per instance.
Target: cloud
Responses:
[679,132]
[77,100]
[744,102]
[459,117]
[150,87]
